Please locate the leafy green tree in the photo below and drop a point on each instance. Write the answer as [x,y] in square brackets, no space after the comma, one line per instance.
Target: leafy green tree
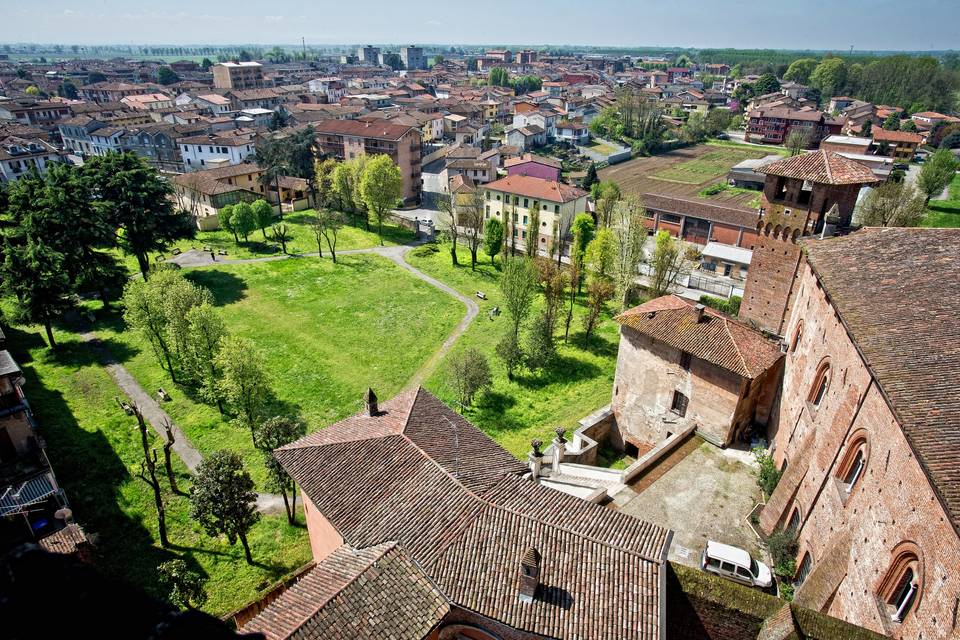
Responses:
[393,60]
[541,350]
[800,70]
[718,121]
[144,310]
[273,434]
[186,586]
[937,173]
[892,123]
[324,183]
[243,221]
[95,76]
[797,140]
[606,195]
[518,284]
[273,159]
[136,201]
[599,291]
[510,352]
[222,499]
[327,225]
[893,204]
[668,264]
[469,373]
[225,219]
[244,384]
[35,275]
[601,254]
[68,90]
[166,75]
[591,178]
[767,83]
[498,77]
[341,182]
[493,238]
[830,76]
[381,187]
[908,125]
[263,214]
[205,332]
[179,297]
[583,229]
[206,63]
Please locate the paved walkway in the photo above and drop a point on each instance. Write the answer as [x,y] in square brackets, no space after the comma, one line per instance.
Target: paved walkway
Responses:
[157,417]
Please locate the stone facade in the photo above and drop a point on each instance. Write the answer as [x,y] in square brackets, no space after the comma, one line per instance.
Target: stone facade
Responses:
[854,532]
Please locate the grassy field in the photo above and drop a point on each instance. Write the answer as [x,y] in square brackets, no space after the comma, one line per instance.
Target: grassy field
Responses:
[533,404]
[95,451]
[602,147]
[945,213]
[301,239]
[327,332]
[709,166]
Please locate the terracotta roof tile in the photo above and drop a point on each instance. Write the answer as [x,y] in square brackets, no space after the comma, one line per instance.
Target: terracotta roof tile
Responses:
[825,167]
[536,188]
[722,213]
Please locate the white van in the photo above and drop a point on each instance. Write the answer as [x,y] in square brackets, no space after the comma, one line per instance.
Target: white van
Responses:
[736,564]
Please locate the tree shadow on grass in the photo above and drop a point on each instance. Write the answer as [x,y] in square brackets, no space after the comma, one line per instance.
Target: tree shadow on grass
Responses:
[596,344]
[227,288]
[492,408]
[563,370]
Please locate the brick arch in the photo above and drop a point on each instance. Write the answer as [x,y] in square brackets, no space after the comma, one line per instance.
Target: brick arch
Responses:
[823,372]
[858,440]
[797,335]
[906,555]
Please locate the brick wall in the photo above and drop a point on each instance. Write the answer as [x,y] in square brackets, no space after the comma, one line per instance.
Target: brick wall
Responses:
[766,297]
[890,504]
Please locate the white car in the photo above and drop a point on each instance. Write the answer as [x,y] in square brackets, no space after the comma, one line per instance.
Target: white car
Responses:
[736,564]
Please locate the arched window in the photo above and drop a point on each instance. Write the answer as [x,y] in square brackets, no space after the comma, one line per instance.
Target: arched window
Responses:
[797,336]
[902,586]
[806,566]
[821,383]
[854,461]
[794,522]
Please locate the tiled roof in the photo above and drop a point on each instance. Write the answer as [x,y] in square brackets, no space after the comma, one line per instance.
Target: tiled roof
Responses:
[380,130]
[419,474]
[722,213]
[716,338]
[538,188]
[65,541]
[376,592]
[882,135]
[824,167]
[529,157]
[896,291]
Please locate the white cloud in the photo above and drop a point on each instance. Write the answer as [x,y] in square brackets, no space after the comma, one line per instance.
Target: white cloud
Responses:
[433,23]
[274,19]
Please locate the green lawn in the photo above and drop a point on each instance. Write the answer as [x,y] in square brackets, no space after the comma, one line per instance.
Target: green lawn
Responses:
[709,166]
[766,148]
[301,239]
[531,405]
[602,148]
[95,451]
[945,213]
[327,331]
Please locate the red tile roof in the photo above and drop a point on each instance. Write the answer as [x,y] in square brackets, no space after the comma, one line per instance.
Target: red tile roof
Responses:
[538,188]
[716,338]
[706,210]
[882,135]
[824,167]
[384,130]
[529,157]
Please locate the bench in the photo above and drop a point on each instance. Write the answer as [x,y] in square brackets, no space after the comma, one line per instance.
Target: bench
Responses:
[163,395]
[222,252]
[176,251]
[481,295]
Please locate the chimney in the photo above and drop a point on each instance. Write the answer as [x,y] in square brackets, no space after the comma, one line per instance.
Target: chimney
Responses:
[559,448]
[529,575]
[535,458]
[701,316]
[370,400]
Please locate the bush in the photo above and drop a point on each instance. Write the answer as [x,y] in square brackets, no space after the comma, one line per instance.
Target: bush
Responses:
[425,251]
[786,591]
[782,544]
[730,307]
[713,189]
[768,475]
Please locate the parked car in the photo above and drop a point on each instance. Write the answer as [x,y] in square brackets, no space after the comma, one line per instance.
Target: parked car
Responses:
[735,564]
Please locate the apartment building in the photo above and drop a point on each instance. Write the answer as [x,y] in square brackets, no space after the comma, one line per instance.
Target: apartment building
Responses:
[347,139]
[238,75]
[413,57]
[514,200]
[773,125]
[368,55]
[217,150]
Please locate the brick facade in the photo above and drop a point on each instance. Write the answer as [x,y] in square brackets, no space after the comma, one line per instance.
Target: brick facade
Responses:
[852,536]
[766,297]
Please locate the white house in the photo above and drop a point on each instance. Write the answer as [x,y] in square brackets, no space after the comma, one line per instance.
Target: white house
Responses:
[211,151]
[19,155]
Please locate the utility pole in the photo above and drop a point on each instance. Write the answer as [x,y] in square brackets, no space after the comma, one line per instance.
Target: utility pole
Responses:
[303,43]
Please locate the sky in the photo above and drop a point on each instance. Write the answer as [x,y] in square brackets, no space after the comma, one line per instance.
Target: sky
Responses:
[775,24]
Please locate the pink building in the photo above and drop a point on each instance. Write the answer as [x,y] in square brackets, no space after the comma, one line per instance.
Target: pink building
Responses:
[534,166]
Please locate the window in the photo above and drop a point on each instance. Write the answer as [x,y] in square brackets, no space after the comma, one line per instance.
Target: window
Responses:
[903,599]
[685,361]
[821,382]
[556,208]
[806,565]
[526,203]
[902,586]
[797,336]
[679,404]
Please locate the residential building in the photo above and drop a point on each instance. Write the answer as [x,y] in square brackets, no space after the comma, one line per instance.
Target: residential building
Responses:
[347,139]
[34,113]
[215,103]
[500,55]
[899,145]
[846,144]
[526,137]
[159,144]
[148,101]
[238,75]
[867,428]
[413,58]
[572,132]
[368,55]
[773,125]
[535,166]
[266,98]
[113,91]
[18,156]
[515,198]
[217,150]
[680,364]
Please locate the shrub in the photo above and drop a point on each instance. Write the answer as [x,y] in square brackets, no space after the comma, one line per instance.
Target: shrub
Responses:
[767,475]
[782,544]
[425,251]
[730,307]
[786,591]
[713,189]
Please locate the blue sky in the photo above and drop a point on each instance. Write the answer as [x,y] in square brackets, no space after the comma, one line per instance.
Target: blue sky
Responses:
[785,24]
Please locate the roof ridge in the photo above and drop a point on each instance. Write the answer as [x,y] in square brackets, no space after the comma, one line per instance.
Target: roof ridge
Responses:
[826,162]
[736,345]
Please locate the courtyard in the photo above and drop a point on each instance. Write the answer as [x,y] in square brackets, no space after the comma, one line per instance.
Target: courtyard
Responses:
[701,493]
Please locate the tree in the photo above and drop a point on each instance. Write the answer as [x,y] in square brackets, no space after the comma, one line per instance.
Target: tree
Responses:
[262,214]
[866,130]
[166,75]
[937,173]
[327,224]
[179,296]
[591,178]
[95,76]
[148,473]
[893,204]
[498,77]
[282,235]
[341,182]
[36,276]
[323,182]
[532,244]
[797,140]
[186,586]
[582,228]
[144,310]
[630,234]
[244,384]
[68,90]
[205,332]
[273,434]
[222,499]
[225,217]
[892,123]
[243,220]
[800,70]
[469,208]
[598,292]
[272,157]
[493,238]
[508,350]
[518,283]
[606,195]
[767,83]
[381,187]
[206,63]
[718,121]
[908,125]
[168,456]
[601,254]
[136,201]
[445,205]
[541,350]
[830,76]
[469,372]
[667,263]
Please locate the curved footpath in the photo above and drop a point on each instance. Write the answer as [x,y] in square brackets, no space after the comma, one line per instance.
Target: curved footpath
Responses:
[157,417]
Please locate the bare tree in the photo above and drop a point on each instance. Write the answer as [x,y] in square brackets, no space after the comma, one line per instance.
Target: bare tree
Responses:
[446,206]
[167,461]
[797,140]
[148,473]
[469,208]
[328,224]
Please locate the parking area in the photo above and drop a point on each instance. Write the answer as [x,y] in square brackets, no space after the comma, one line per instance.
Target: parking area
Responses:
[701,492]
